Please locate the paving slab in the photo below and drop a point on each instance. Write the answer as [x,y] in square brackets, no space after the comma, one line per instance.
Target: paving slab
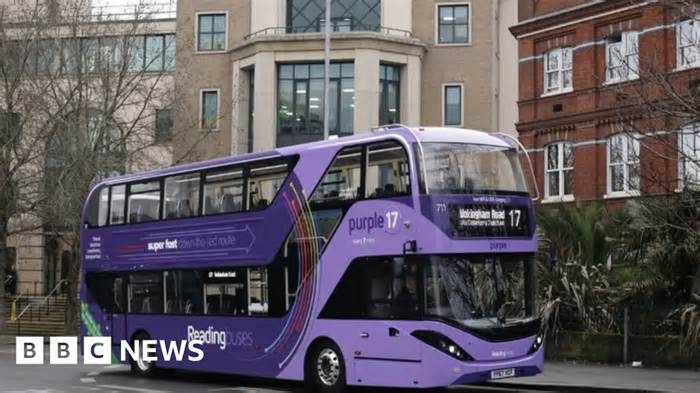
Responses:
[612,378]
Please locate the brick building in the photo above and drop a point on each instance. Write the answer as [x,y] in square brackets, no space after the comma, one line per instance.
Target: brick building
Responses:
[586,69]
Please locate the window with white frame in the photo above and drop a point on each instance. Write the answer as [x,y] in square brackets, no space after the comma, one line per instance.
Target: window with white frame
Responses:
[622,56]
[559,172]
[558,70]
[623,164]
[688,42]
[689,157]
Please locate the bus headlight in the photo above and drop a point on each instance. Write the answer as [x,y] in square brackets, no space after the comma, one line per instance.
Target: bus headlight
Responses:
[537,344]
[442,343]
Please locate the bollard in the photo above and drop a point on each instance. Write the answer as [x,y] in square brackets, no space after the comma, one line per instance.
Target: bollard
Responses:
[625,348]
[13,312]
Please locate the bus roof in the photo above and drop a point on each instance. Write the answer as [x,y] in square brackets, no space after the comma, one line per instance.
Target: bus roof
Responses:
[422,134]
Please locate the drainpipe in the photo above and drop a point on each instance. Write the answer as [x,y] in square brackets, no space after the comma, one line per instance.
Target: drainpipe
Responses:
[496,62]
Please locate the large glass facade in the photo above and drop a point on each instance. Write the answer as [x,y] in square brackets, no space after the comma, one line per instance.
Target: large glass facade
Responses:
[300,100]
[306,16]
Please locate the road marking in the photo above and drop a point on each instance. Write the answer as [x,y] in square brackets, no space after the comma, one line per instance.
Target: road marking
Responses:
[132,389]
[90,388]
[87,380]
[93,374]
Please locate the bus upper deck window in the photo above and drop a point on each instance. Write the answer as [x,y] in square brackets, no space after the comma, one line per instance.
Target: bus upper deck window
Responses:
[343,180]
[96,212]
[223,191]
[181,196]
[103,207]
[264,183]
[117,205]
[144,202]
[387,170]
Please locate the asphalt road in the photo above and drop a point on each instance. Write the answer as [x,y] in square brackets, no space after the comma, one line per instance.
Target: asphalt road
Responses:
[117,379]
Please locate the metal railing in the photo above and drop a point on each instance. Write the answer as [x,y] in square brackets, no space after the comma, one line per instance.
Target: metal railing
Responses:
[287,30]
[43,307]
[134,10]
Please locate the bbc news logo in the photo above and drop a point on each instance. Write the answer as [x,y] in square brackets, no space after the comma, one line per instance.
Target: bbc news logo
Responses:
[98,350]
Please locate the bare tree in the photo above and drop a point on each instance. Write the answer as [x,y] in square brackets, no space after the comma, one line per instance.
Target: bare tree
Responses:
[83,95]
[659,109]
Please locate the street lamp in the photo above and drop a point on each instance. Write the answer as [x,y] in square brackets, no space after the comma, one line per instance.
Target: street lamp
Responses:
[327,64]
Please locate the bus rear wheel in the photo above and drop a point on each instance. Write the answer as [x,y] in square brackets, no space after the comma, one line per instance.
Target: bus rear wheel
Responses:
[140,366]
[325,368]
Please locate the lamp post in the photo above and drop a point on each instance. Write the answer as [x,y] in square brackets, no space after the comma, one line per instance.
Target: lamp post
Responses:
[327,73]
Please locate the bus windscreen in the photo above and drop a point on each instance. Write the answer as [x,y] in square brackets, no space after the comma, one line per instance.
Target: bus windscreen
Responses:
[460,168]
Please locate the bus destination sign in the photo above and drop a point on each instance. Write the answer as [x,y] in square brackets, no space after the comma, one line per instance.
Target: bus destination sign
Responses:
[489,220]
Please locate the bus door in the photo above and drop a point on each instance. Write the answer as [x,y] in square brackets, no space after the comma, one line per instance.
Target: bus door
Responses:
[384,334]
[115,315]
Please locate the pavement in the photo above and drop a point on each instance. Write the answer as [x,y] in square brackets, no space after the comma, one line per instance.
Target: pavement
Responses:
[558,377]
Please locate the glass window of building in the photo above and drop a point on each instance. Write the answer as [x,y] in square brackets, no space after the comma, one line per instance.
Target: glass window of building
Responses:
[558,70]
[89,55]
[155,51]
[453,24]
[559,173]
[143,202]
[622,56]
[389,94]
[623,164]
[689,157]
[300,101]
[223,191]
[305,16]
[170,48]
[387,170]
[209,117]
[452,107]
[181,196]
[71,56]
[211,32]
[688,43]
[164,125]
[135,49]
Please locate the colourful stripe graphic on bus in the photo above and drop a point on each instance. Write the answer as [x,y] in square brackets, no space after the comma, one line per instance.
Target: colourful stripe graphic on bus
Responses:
[305,232]
[91,326]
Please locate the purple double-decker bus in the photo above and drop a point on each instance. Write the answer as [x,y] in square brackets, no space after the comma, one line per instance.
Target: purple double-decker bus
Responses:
[398,258]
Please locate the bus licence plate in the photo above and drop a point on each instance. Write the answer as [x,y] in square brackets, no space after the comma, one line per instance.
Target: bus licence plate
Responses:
[505,373]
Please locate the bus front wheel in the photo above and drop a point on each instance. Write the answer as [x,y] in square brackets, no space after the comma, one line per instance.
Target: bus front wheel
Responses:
[140,366]
[325,368]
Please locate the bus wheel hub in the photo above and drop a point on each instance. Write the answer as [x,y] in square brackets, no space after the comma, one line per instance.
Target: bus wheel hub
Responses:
[328,367]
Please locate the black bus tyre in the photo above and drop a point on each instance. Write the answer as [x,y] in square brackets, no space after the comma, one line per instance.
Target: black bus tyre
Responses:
[325,368]
[141,367]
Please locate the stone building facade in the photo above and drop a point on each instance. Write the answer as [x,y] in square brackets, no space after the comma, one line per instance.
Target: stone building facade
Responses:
[257,67]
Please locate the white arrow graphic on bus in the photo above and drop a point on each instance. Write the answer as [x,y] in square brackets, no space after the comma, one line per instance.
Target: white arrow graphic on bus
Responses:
[252,238]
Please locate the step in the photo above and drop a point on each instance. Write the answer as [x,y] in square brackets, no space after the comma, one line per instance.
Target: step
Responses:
[37,328]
